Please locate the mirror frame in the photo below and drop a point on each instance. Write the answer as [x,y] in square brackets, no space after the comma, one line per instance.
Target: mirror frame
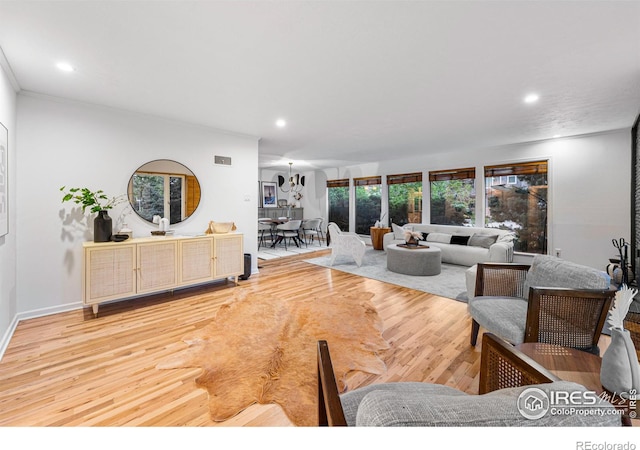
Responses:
[189,206]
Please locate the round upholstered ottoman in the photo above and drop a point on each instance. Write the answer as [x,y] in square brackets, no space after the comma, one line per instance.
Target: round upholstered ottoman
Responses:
[420,261]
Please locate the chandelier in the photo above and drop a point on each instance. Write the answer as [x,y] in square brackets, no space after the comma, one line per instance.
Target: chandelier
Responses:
[295,184]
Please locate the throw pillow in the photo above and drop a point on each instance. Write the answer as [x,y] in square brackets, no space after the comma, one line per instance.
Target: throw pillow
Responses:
[460,240]
[507,237]
[424,236]
[483,240]
[398,232]
[443,238]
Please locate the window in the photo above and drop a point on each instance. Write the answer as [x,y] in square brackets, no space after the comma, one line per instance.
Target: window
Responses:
[520,206]
[405,198]
[368,203]
[338,194]
[453,197]
[158,194]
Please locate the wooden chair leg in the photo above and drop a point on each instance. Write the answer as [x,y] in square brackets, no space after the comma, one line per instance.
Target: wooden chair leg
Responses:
[475,329]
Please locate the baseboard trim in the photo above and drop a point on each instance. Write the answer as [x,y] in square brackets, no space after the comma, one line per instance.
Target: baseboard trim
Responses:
[33,314]
[4,343]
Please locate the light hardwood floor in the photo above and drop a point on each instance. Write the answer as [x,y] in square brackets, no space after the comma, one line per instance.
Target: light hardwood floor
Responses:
[71,369]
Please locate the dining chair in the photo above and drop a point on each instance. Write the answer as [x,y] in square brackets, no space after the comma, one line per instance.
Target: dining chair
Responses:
[265,233]
[321,233]
[289,230]
[309,229]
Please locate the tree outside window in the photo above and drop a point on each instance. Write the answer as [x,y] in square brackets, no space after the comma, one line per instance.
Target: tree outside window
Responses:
[516,200]
[453,197]
[368,203]
[405,198]
[338,193]
[158,194]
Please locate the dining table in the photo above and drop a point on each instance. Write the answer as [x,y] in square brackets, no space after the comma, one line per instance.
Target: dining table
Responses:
[274,222]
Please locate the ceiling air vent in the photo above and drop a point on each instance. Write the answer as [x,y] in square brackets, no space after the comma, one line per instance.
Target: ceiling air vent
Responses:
[224,160]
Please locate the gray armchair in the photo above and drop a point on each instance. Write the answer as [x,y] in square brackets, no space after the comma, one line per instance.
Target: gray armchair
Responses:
[554,301]
[505,374]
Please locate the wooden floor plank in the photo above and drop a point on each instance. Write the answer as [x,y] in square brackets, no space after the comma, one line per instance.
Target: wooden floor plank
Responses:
[72,369]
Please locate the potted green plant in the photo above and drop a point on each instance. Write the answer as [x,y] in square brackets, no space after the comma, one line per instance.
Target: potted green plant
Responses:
[96,202]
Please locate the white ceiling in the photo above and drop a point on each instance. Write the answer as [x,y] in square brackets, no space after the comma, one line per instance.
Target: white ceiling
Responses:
[357,81]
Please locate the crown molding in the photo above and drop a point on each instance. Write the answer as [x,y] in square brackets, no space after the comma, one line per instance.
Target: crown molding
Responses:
[4,63]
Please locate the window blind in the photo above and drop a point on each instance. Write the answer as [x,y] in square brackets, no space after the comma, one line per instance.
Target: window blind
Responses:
[404,178]
[454,174]
[338,183]
[367,181]
[526,168]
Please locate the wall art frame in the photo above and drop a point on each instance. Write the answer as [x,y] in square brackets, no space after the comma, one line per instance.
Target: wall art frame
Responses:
[269,193]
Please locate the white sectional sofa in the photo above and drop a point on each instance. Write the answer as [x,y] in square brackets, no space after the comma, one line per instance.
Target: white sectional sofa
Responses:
[465,246]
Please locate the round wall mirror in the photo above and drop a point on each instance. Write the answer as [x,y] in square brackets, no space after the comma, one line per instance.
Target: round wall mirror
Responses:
[164,188]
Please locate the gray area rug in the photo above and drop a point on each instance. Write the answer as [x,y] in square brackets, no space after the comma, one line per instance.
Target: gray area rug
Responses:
[450,283]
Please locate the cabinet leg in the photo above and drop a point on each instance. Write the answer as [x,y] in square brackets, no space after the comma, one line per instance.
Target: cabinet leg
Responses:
[235,280]
[95,310]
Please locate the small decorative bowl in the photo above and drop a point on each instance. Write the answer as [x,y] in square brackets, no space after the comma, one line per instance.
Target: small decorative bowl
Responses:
[222,227]
[158,233]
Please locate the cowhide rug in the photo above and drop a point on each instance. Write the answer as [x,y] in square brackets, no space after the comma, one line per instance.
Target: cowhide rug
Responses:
[263,349]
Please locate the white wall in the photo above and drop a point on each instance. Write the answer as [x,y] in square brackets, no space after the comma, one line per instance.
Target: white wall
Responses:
[8,296]
[65,143]
[590,188]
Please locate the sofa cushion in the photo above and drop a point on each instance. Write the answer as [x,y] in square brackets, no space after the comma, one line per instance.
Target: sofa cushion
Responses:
[443,238]
[482,240]
[506,237]
[459,240]
[436,406]
[398,231]
[351,400]
[551,271]
[504,316]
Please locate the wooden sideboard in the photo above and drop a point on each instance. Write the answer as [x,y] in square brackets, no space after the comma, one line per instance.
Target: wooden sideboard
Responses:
[121,270]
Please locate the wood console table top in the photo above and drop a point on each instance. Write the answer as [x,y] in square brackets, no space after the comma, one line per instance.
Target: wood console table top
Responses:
[567,363]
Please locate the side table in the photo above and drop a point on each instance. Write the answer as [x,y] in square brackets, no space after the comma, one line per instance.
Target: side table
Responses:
[578,366]
[376,236]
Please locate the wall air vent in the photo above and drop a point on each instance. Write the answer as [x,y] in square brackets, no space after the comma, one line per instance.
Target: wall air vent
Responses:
[224,160]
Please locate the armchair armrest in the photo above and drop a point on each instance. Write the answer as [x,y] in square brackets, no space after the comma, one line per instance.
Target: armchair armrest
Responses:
[501,252]
[330,412]
[501,280]
[503,366]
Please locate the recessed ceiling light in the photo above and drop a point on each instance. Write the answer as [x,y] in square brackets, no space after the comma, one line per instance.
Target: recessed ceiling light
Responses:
[531,98]
[280,123]
[65,67]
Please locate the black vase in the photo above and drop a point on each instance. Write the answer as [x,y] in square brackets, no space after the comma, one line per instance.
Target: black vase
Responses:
[102,227]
